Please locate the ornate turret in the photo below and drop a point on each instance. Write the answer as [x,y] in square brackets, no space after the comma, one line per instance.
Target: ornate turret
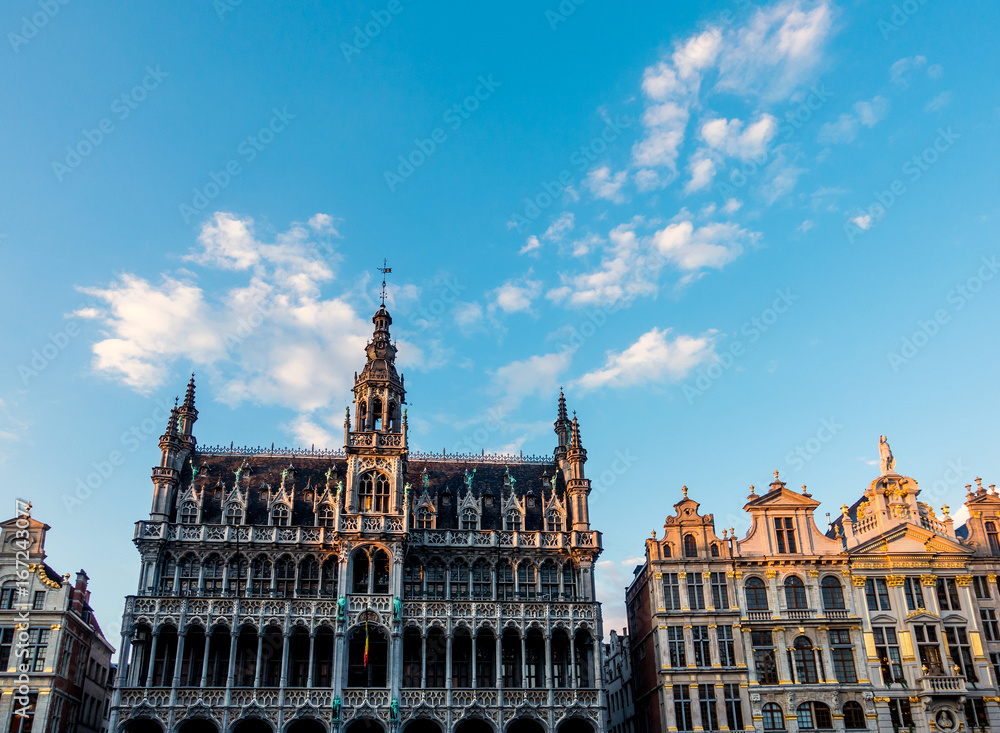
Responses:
[187,413]
[166,476]
[577,485]
[378,391]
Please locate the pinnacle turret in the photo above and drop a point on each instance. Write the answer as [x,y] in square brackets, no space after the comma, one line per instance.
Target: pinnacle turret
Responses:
[187,414]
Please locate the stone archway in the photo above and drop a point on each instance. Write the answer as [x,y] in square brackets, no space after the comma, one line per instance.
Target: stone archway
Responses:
[197,725]
[473,725]
[525,725]
[305,725]
[252,725]
[575,725]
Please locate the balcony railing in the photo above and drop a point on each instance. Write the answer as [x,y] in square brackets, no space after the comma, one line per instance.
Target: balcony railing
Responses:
[759,615]
[941,684]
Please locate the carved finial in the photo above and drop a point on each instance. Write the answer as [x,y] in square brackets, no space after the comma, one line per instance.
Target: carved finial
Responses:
[775,474]
[751,488]
[684,489]
[804,492]
[993,489]
[945,509]
[653,534]
[979,483]
[732,531]
[725,533]
[844,509]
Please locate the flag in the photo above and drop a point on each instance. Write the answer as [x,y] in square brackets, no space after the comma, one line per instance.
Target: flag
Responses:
[366,643]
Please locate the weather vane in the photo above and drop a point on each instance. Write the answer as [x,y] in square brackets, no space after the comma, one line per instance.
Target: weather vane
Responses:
[385,270]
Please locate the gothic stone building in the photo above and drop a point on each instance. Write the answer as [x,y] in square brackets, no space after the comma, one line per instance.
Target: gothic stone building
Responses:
[55,664]
[886,622]
[368,588]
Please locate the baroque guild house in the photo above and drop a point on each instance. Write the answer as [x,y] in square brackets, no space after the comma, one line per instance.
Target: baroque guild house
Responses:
[886,622]
[366,588]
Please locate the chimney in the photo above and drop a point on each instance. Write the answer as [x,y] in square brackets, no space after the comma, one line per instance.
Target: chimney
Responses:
[81,596]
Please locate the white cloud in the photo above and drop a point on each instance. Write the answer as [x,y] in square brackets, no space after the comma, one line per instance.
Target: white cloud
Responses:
[713,245]
[806,226]
[307,432]
[535,376]
[560,226]
[606,185]
[515,296]
[732,206]
[467,314]
[935,71]
[864,221]
[899,72]
[702,174]
[939,102]
[845,128]
[532,245]
[652,358]
[729,138]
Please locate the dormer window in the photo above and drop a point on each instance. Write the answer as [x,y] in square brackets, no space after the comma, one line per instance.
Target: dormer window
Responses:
[554,521]
[425,520]
[234,514]
[324,517]
[189,513]
[513,521]
[281,516]
[690,546]
[470,519]
[784,535]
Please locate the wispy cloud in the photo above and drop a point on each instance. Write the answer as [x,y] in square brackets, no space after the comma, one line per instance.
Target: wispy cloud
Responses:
[654,357]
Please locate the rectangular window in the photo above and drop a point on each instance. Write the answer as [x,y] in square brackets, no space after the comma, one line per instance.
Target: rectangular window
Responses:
[982,586]
[720,592]
[995,661]
[877,594]
[675,646]
[927,646]
[763,657]
[38,602]
[696,592]
[975,713]
[6,644]
[671,592]
[989,619]
[887,651]
[784,535]
[734,707]
[727,651]
[899,713]
[702,646]
[38,642]
[947,593]
[914,594]
[709,711]
[960,651]
[682,708]
[843,656]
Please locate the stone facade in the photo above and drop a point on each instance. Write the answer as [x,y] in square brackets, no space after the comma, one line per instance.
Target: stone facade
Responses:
[886,621]
[618,684]
[372,587]
[55,664]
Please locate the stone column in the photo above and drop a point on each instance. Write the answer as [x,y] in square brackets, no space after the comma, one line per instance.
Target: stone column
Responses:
[449,650]
[203,680]
[524,659]
[572,672]
[823,643]
[312,658]
[696,721]
[548,661]
[423,661]
[475,664]
[283,680]
[234,638]
[499,666]
[260,653]
[181,636]
[152,658]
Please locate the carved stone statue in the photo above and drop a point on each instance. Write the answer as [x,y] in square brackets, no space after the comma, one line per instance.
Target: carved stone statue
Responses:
[885,456]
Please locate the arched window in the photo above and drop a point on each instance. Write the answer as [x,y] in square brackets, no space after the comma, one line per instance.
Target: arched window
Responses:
[833,593]
[854,716]
[527,580]
[554,521]
[436,663]
[513,521]
[234,513]
[373,493]
[458,580]
[167,573]
[425,520]
[412,657]
[690,546]
[715,550]
[187,578]
[435,579]
[324,517]
[367,656]
[413,581]
[328,577]
[569,581]
[805,662]
[309,577]
[992,538]
[237,575]
[189,513]
[773,717]
[260,576]
[211,575]
[756,594]
[482,580]
[360,570]
[380,567]
[281,515]
[505,580]
[376,414]
[470,518]
[392,419]
[814,716]
[668,551]
[549,579]
[284,576]
[795,593]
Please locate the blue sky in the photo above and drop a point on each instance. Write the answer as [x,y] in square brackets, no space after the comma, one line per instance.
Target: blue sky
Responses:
[743,237]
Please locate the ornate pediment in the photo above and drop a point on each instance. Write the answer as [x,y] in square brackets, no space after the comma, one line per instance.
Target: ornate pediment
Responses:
[908,539]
